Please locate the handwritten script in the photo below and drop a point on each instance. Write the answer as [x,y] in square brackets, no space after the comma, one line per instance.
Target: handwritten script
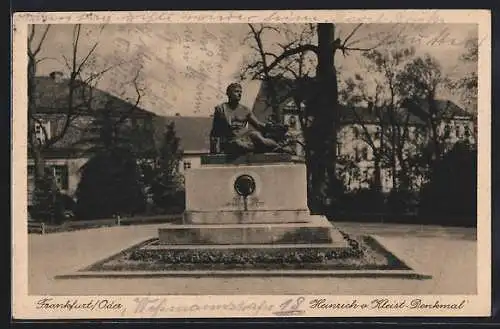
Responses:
[286,306]
[50,304]
[156,306]
[386,304]
[281,16]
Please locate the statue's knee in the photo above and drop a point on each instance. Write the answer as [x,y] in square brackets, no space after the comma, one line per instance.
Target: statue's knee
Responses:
[255,135]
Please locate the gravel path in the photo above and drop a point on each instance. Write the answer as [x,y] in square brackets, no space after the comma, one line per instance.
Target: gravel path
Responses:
[448,254]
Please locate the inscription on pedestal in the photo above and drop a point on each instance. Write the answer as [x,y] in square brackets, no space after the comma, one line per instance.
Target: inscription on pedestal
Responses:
[239,202]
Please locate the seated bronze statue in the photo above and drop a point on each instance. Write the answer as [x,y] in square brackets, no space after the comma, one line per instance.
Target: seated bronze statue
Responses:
[231,133]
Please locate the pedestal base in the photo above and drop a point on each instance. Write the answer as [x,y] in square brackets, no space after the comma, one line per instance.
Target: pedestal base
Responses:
[317,231]
[247,217]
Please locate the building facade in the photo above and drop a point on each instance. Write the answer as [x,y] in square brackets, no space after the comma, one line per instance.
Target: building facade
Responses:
[64,154]
[362,138]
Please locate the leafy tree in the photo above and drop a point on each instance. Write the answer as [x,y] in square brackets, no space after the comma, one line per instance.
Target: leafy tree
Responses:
[110,181]
[47,200]
[110,184]
[451,194]
[420,82]
[163,177]
[378,87]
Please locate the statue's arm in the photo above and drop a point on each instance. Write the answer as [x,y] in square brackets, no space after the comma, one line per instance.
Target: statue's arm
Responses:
[252,119]
[214,132]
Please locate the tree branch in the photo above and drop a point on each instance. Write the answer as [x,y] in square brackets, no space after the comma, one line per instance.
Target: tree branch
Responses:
[76,40]
[84,61]
[133,107]
[290,52]
[40,43]
[351,34]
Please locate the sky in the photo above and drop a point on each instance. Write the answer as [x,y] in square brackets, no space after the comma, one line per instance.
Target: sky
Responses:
[185,68]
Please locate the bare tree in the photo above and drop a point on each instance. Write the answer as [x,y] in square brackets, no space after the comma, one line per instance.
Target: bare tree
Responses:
[35,146]
[322,103]
[79,97]
[291,73]
[389,66]
[77,100]
[355,92]
[109,125]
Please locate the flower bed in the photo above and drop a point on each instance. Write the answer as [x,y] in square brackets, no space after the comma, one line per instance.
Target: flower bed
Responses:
[364,253]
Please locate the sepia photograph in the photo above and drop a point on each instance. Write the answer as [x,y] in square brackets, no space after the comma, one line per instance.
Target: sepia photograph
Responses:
[335,162]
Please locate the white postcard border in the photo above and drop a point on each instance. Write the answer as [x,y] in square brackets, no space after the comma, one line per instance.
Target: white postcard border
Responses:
[24,306]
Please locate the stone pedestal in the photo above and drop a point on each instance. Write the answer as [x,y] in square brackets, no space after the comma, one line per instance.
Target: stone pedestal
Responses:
[279,194]
[251,200]
[318,230]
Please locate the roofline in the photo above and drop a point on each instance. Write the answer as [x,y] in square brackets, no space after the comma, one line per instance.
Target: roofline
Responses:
[348,122]
[60,111]
[114,97]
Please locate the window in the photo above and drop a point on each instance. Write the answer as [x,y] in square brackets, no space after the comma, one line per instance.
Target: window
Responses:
[61,176]
[356,154]
[447,131]
[364,153]
[42,131]
[31,172]
[59,172]
[355,131]
[187,165]
[467,132]
[365,175]
[417,134]
[134,122]
[458,132]
[339,148]
[388,178]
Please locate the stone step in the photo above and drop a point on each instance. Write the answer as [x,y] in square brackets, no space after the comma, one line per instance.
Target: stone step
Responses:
[316,232]
[250,217]
[315,246]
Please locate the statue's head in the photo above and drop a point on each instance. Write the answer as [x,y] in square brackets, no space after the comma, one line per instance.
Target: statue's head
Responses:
[233,92]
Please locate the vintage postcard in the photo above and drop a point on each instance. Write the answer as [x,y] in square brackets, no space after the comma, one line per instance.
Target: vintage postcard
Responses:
[251,164]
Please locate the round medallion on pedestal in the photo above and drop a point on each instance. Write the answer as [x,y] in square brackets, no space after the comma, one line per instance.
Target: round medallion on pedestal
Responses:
[244,185]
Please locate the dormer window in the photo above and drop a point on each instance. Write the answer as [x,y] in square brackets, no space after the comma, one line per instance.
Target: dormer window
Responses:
[57,76]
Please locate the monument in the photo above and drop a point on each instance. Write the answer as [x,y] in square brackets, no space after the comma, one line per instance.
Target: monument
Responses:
[246,214]
[251,189]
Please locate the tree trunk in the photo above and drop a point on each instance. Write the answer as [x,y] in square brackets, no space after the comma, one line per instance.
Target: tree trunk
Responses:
[35,148]
[377,180]
[435,136]
[324,126]
[39,163]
